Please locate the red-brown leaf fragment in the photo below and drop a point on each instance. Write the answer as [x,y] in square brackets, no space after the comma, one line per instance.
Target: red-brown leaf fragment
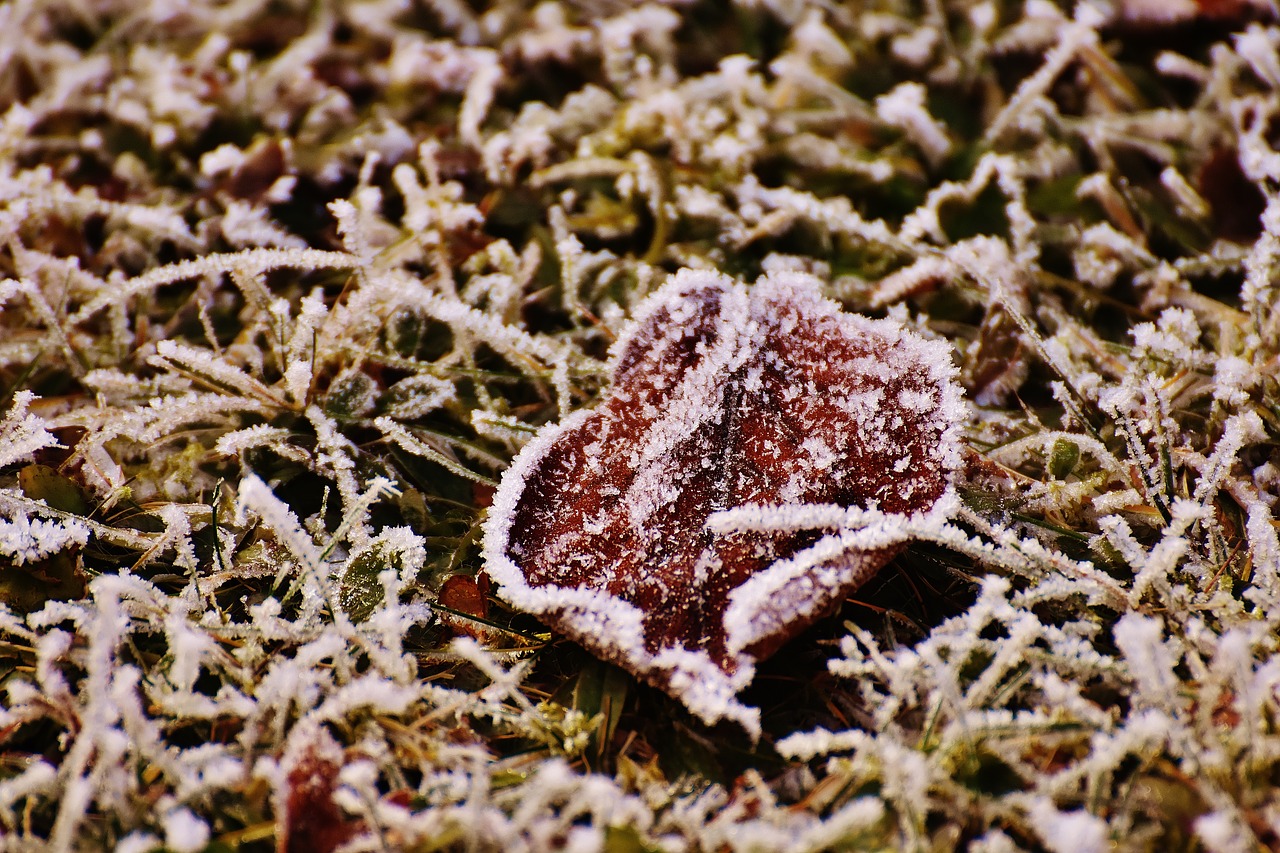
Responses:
[612,524]
[310,820]
[463,594]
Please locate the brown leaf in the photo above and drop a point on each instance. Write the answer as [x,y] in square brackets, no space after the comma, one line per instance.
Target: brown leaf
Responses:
[310,820]
[462,594]
[998,363]
[264,163]
[726,398]
[1235,201]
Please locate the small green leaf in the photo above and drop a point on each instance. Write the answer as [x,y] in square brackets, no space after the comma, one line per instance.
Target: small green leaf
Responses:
[42,483]
[361,591]
[1063,458]
[351,395]
[601,688]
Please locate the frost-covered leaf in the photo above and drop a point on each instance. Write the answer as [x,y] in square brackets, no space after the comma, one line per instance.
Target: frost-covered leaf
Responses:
[378,570]
[38,561]
[725,397]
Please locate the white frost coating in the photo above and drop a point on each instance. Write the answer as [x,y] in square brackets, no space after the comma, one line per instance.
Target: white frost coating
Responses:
[1076,36]
[1257,46]
[418,396]
[917,46]
[1069,832]
[257,496]
[37,778]
[138,842]
[1233,379]
[833,833]
[1150,661]
[24,540]
[912,279]
[184,832]
[248,261]
[262,435]
[245,224]
[1159,11]
[595,612]
[784,590]
[789,590]
[225,158]
[1265,548]
[21,432]
[904,108]
[203,363]
[1223,832]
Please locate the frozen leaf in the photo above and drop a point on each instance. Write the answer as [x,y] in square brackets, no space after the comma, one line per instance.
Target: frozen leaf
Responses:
[1063,458]
[361,590]
[352,394]
[43,483]
[723,398]
[363,586]
[36,561]
[417,397]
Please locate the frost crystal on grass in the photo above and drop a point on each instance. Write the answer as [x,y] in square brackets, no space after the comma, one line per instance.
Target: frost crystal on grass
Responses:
[22,432]
[725,397]
[26,540]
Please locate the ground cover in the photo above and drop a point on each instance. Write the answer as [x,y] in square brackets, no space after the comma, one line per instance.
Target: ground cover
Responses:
[285,287]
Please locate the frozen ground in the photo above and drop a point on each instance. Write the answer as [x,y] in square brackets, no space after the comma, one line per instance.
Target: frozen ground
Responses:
[285,286]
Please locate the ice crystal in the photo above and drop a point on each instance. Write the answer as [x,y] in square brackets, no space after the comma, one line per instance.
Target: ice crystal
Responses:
[24,540]
[22,431]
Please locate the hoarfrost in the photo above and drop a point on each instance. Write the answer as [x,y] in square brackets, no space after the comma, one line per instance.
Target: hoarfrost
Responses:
[26,540]
[1069,832]
[279,434]
[22,432]
[184,832]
